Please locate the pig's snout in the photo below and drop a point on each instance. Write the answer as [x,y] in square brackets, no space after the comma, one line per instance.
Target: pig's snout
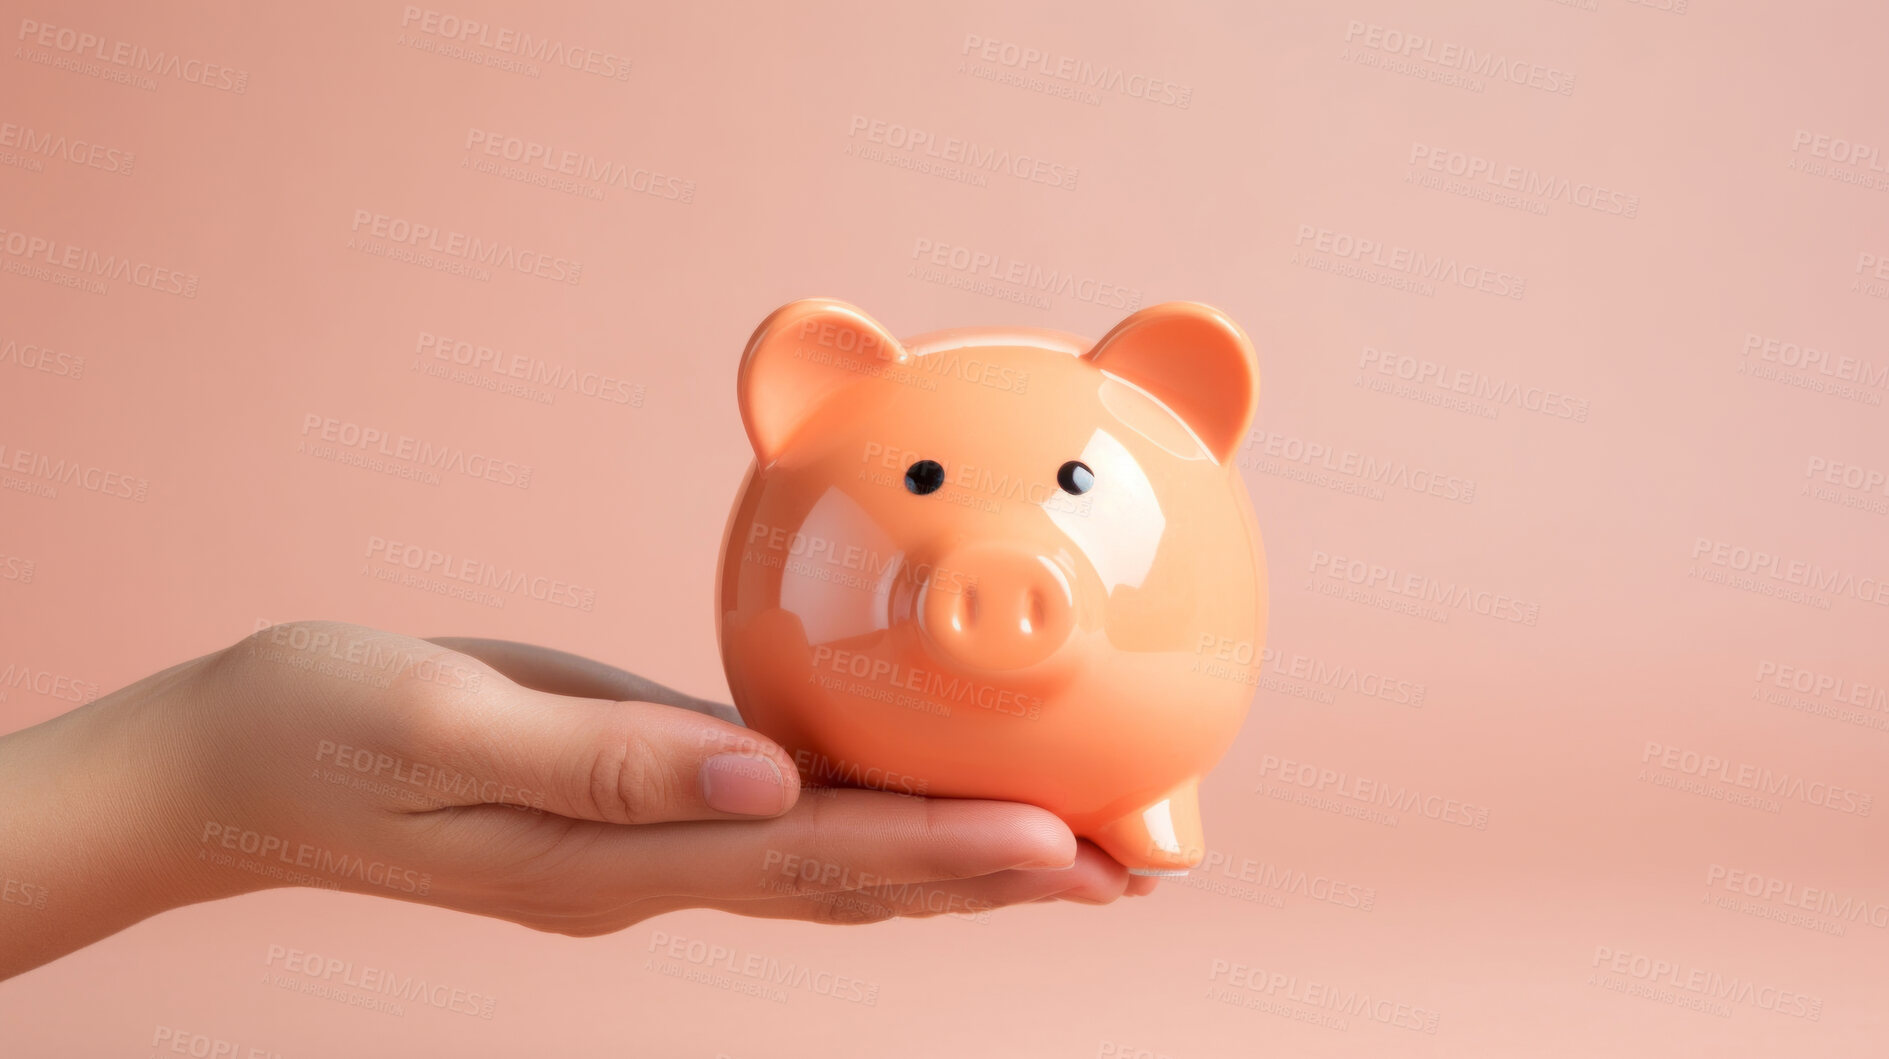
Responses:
[1002,609]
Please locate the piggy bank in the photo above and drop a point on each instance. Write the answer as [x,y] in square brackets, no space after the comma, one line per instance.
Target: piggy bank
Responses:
[1000,563]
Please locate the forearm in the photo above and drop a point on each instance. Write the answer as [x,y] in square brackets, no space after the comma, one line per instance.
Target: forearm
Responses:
[208,780]
[91,820]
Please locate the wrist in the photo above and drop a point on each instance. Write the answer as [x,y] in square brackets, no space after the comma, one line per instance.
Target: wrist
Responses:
[157,746]
[97,806]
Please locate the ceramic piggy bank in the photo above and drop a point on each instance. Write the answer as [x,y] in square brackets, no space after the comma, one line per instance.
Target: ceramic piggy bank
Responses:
[1000,563]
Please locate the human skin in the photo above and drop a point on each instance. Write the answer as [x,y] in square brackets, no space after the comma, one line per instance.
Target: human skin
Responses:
[490,777]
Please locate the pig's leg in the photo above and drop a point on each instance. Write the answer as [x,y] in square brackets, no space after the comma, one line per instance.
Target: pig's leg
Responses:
[1162,837]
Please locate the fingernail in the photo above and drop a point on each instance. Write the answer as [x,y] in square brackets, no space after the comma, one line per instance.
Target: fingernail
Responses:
[1047,862]
[745,785]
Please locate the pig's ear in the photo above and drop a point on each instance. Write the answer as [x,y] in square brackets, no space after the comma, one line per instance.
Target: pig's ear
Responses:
[1193,359]
[799,356]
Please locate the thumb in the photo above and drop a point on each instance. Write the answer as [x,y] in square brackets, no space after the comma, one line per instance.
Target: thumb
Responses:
[612,762]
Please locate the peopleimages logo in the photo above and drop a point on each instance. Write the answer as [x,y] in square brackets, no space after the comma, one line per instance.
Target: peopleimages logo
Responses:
[1462,59]
[826,770]
[577,165]
[1815,899]
[1837,689]
[1339,675]
[76,150]
[1364,789]
[984,488]
[1475,169]
[266,854]
[1422,268]
[45,682]
[1026,280]
[14,568]
[23,893]
[39,358]
[43,474]
[460,247]
[530,372]
[1263,449]
[1091,78]
[1705,985]
[333,437]
[1273,878]
[807,553]
[507,41]
[1775,569]
[754,973]
[1757,778]
[464,569]
[132,57]
[1848,475]
[1837,149]
[379,982]
[970,154]
[1426,589]
[1320,997]
[1471,384]
[932,691]
[204,1046]
[1826,362]
[57,253]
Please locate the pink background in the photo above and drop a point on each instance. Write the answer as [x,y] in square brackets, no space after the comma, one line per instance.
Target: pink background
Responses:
[1731,130]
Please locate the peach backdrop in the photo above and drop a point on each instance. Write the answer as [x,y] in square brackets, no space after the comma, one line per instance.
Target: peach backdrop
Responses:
[1606,283]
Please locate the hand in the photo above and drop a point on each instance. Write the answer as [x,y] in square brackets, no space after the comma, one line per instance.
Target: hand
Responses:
[486,776]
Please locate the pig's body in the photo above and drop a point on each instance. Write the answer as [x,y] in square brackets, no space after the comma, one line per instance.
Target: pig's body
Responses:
[1016,630]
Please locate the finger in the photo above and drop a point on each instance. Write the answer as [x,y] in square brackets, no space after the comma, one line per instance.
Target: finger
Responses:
[1094,878]
[846,840]
[597,760]
[562,673]
[847,908]
[1142,885]
[831,840]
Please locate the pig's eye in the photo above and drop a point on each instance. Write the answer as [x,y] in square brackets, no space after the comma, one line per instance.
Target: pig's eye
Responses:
[923,477]
[1076,477]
